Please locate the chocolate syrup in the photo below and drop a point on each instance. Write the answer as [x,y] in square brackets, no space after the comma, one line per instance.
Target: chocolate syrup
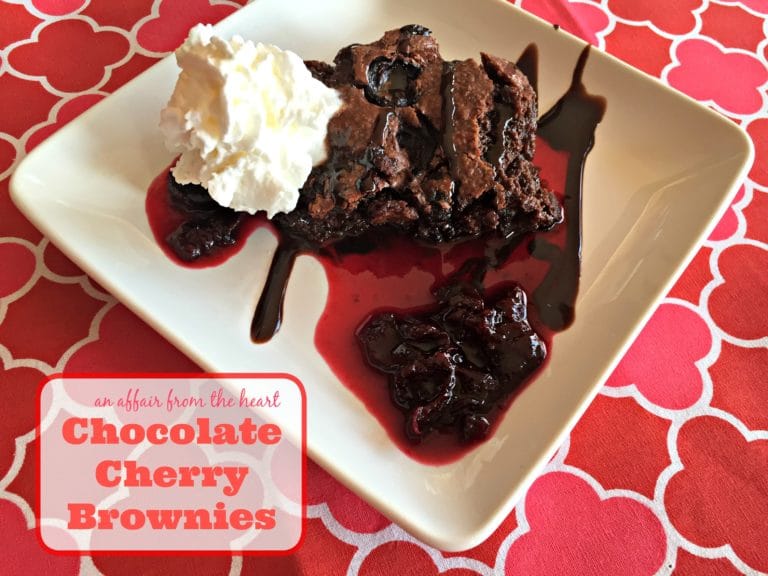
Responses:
[569,126]
[269,310]
[504,112]
[449,115]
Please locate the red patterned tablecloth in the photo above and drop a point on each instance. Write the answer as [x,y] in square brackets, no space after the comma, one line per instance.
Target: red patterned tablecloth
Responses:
[666,473]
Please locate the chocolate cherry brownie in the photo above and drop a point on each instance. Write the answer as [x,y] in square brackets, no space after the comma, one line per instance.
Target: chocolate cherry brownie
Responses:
[440,151]
[437,150]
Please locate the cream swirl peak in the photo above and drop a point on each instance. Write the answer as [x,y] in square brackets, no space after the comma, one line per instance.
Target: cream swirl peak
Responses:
[248,120]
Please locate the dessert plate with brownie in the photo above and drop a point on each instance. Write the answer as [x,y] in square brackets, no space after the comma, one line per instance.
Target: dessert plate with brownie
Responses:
[449,225]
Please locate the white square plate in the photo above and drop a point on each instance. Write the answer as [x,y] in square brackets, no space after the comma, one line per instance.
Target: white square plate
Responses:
[662,171]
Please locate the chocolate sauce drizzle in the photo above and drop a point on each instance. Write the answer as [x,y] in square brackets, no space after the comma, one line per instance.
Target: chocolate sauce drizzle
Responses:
[269,311]
[449,115]
[568,126]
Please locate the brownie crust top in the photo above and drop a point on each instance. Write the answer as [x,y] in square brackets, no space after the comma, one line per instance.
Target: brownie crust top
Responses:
[440,150]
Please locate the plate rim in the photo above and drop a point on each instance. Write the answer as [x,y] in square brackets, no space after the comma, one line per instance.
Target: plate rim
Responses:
[746,155]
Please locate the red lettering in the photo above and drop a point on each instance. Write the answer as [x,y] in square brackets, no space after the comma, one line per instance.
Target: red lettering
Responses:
[164,519]
[187,474]
[265,519]
[270,434]
[102,473]
[132,433]
[68,430]
[220,515]
[248,431]
[157,433]
[102,433]
[81,516]
[164,476]
[136,475]
[203,431]
[241,519]
[106,517]
[199,519]
[177,437]
[209,475]
[132,519]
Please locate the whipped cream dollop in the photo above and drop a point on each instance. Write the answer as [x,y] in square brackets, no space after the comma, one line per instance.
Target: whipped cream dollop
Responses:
[248,120]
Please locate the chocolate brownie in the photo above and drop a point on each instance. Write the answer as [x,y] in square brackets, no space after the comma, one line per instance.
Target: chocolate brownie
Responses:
[451,367]
[436,149]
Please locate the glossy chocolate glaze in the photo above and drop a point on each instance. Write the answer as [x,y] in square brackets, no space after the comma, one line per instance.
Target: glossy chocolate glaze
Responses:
[569,126]
[269,310]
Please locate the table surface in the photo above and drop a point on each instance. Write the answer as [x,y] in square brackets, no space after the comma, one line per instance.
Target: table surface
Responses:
[667,472]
